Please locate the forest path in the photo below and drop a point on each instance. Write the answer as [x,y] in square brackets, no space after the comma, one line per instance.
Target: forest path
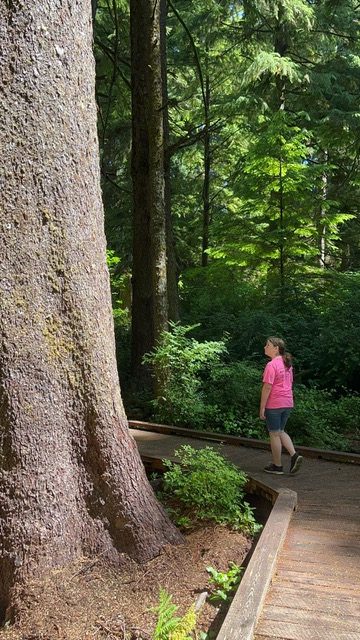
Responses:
[315,590]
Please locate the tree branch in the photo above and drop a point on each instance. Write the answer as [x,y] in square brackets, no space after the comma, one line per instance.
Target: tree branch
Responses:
[108,179]
[110,54]
[197,59]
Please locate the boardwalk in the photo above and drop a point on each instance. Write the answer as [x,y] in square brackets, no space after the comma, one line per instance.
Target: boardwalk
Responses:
[315,593]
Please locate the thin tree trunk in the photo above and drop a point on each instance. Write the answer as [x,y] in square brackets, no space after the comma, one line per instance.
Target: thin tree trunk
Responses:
[172,271]
[205,92]
[156,177]
[322,216]
[281,46]
[94,4]
[206,185]
[71,480]
[150,311]
[282,230]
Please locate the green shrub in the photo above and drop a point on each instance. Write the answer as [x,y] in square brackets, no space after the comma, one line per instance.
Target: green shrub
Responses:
[334,358]
[346,415]
[207,487]
[317,419]
[234,390]
[202,391]
[181,361]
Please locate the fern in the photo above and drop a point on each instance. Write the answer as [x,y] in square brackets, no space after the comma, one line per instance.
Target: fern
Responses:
[166,621]
[185,626]
[169,626]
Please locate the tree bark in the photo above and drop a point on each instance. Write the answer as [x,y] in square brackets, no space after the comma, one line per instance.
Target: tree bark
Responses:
[171,263]
[321,223]
[207,167]
[150,307]
[281,46]
[94,4]
[71,480]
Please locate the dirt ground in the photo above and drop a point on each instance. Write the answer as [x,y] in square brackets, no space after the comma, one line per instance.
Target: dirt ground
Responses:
[94,600]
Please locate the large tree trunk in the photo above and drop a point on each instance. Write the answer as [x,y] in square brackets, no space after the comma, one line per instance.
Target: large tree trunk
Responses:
[150,308]
[71,480]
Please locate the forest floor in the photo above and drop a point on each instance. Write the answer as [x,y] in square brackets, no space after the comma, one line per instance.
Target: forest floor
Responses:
[94,600]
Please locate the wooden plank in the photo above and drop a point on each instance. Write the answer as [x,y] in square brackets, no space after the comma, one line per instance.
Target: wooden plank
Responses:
[261,489]
[304,533]
[345,515]
[322,564]
[347,504]
[312,540]
[315,554]
[284,631]
[345,526]
[268,638]
[297,616]
[323,567]
[318,582]
[348,507]
[305,598]
[301,631]
[300,535]
[247,604]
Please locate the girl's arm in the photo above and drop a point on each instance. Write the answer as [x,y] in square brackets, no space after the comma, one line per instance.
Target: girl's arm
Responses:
[265,392]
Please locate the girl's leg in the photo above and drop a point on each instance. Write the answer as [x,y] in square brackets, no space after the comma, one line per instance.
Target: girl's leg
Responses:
[285,438]
[276,446]
[287,442]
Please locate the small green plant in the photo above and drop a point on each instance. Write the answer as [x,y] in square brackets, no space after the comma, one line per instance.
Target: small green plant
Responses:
[169,626]
[224,583]
[206,487]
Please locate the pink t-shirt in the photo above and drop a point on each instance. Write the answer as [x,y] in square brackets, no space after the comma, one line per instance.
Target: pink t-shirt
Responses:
[281,379]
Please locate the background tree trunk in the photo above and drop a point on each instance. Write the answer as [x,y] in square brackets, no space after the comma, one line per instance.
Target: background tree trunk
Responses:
[150,306]
[207,166]
[321,223]
[171,263]
[71,480]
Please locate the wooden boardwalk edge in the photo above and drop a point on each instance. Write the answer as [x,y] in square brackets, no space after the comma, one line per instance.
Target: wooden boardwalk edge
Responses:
[239,441]
[246,607]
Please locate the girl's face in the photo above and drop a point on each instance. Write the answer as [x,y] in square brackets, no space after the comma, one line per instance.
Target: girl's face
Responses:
[270,350]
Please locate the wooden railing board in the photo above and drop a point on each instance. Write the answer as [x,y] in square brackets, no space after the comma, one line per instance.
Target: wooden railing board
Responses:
[246,607]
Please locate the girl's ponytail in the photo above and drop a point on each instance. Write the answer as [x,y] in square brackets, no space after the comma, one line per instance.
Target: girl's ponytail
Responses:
[287,359]
[286,356]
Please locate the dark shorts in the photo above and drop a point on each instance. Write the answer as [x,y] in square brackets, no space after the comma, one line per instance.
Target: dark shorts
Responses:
[276,419]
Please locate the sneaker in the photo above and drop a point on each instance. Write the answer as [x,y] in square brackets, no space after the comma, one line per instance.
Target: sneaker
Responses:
[295,463]
[272,468]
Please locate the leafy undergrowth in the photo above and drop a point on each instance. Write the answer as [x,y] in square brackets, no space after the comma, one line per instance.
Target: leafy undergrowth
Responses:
[94,600]
[203,486]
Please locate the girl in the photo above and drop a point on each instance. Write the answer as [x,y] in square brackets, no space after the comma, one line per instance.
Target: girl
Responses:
[276,404]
